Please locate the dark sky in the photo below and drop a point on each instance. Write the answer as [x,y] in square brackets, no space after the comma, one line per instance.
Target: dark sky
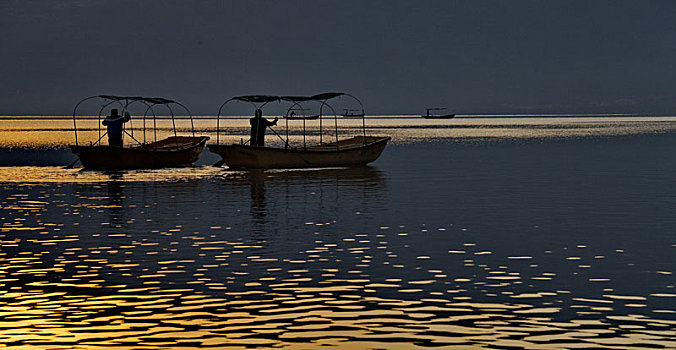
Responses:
[397,56]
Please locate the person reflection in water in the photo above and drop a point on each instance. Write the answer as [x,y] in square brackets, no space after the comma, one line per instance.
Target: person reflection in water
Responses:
[258,126]
[258,210]
[114,124]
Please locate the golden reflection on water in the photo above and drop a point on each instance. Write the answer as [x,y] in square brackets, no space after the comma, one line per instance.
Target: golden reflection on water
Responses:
[155,318]
[94,260]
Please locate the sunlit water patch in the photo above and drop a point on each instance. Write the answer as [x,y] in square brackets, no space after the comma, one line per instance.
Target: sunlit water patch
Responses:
[532,245]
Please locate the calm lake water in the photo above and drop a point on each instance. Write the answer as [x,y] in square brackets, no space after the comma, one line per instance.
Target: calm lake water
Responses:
[476,232]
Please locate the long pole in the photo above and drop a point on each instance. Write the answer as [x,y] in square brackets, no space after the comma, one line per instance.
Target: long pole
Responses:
[363,125]
[273,130]
[335,120]
[75,128]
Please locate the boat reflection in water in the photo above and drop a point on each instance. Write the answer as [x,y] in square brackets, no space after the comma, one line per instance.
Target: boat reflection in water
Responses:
[308,192]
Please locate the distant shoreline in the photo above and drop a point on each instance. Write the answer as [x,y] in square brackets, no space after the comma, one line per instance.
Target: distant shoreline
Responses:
[403,116]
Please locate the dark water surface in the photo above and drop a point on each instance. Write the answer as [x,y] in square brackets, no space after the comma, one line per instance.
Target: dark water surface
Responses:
[535,244]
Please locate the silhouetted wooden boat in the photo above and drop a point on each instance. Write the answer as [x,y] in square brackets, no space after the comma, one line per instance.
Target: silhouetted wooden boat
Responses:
[354,151]
[170,152]
[427,114]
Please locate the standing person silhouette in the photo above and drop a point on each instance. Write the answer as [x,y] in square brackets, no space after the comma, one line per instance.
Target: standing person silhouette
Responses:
[114,124]
[258,126]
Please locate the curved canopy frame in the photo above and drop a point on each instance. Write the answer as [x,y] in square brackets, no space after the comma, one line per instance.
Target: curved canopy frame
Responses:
[259,101]
[125,102]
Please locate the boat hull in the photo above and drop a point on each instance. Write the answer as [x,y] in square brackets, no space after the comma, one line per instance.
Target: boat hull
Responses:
[356,151]
[168,153]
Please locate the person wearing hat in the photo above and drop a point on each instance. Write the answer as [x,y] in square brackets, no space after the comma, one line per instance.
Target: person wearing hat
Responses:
[114,124]
[258,126]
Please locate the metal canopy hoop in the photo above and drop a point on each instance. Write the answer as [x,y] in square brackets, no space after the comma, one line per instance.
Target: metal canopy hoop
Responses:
[125,102]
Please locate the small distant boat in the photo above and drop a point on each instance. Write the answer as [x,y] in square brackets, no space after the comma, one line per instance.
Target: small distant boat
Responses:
[353,113]
[350,152]
[294,116]
[173,151]
[427,114]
